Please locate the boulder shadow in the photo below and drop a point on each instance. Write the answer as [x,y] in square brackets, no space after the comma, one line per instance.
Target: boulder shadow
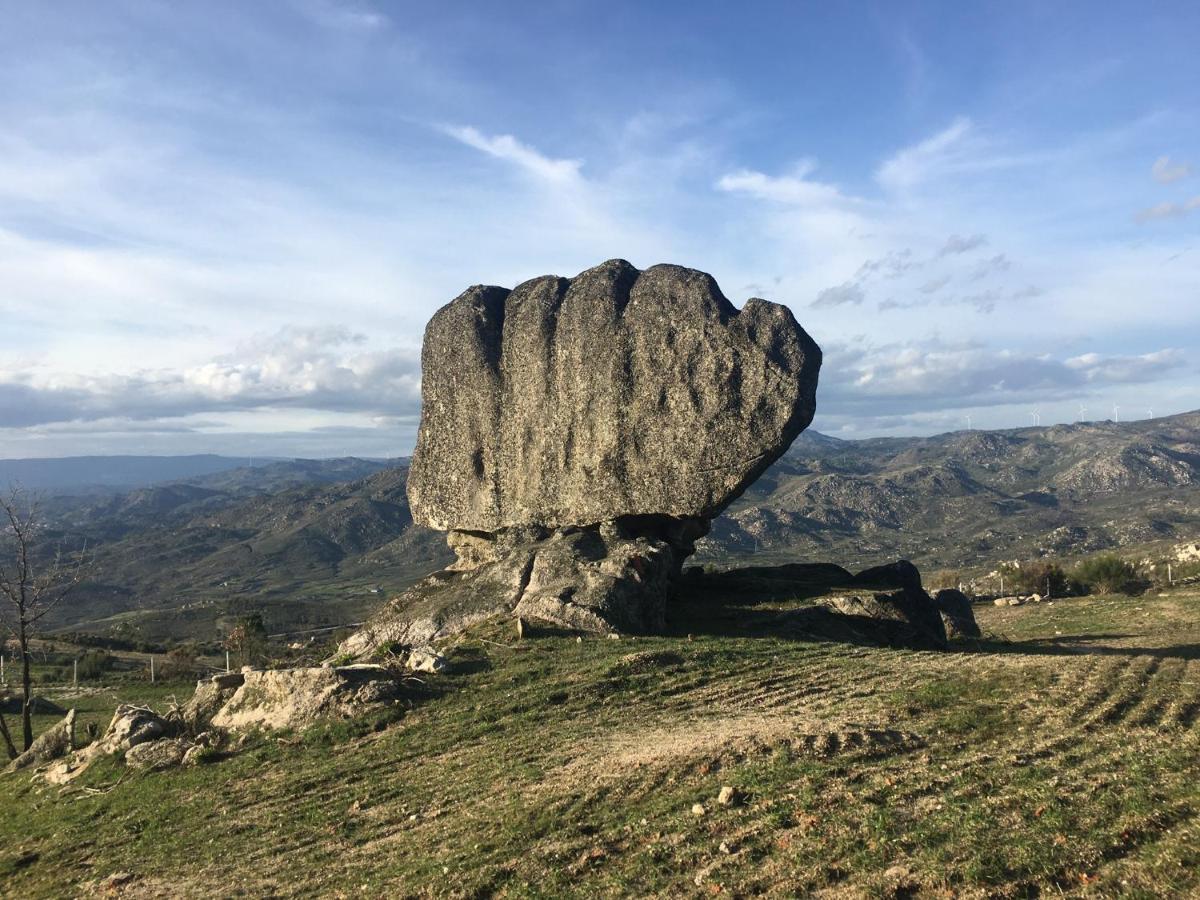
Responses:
[1079,645]
[785,601]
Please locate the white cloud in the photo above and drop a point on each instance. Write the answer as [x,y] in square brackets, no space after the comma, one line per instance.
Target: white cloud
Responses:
[1166,172]
[914,165]
[508,148]
[1167,210]
[913,377]
[1127,369]
[325,369]
[794,188]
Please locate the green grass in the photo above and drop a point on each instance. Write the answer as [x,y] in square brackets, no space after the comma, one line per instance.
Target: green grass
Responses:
[1059,757]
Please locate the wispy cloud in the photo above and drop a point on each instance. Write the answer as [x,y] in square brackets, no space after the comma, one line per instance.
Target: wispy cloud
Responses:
[914,165]
[1165,171]
[345,16]
[508,148]
[794,188]
[934,285]
[1167,210]
[957,244]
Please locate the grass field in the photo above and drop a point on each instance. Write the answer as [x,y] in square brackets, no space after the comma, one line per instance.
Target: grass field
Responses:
[1059,756]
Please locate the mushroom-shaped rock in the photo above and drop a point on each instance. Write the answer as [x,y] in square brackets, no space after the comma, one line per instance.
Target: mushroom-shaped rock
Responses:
[578,435]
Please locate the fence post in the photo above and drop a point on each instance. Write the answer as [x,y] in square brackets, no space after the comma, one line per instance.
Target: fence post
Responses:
[75,674]
[152,669]
[226,662]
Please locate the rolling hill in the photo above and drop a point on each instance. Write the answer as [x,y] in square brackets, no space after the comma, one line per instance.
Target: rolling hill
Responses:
[318,543]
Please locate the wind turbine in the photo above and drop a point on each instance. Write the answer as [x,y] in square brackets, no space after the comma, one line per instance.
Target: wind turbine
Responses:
[1082,411]
[968,423]
[1116,414]
[1151,411]
[1036,416]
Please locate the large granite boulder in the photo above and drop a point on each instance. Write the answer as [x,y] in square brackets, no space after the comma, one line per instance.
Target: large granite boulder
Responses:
[578,435]
[616,393]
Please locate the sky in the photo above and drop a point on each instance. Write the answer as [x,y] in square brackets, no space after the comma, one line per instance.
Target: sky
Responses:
[223,225]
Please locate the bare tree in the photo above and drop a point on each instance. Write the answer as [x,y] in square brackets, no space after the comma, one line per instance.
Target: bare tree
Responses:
[34,583]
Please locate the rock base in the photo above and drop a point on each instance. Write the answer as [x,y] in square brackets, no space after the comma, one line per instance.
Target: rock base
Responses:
[613,577]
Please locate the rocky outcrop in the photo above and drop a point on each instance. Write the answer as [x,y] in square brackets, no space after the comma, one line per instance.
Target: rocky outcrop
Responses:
[165,753]
[52,744]
[293,698]
[210,696]
[957,615]
[578,435]
[130,726]
[909,614]
[220,706]
[598,579]
[898,574]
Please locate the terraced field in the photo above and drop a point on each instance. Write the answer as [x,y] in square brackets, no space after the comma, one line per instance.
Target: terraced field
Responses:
[1059,756]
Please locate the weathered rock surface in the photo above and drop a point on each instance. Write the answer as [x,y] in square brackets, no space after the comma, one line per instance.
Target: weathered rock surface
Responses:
[164,753]
[52,744]
[909,612]
[210,696]
[578,435]
[130,726]
[957,615]
[291,698]
[616,393]
[601,579]
[898,574]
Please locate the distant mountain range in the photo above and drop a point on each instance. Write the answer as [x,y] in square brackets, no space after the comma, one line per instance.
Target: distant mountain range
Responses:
[108,472]
[969,498]
[316,543]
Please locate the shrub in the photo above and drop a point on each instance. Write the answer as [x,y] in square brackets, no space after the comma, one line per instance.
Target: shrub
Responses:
[248,639]
[1041,577]
[180,662]
[1105,574]
[95,663]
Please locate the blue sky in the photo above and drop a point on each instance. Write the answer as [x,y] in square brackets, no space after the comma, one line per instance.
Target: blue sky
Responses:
[223,225]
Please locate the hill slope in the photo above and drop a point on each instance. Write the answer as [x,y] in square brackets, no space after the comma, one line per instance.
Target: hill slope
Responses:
[308,546]
[1061,762]
[972,497]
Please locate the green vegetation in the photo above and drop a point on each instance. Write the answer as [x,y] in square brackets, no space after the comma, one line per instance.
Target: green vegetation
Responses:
[1057,757]
[1105,574]
[1044,577]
